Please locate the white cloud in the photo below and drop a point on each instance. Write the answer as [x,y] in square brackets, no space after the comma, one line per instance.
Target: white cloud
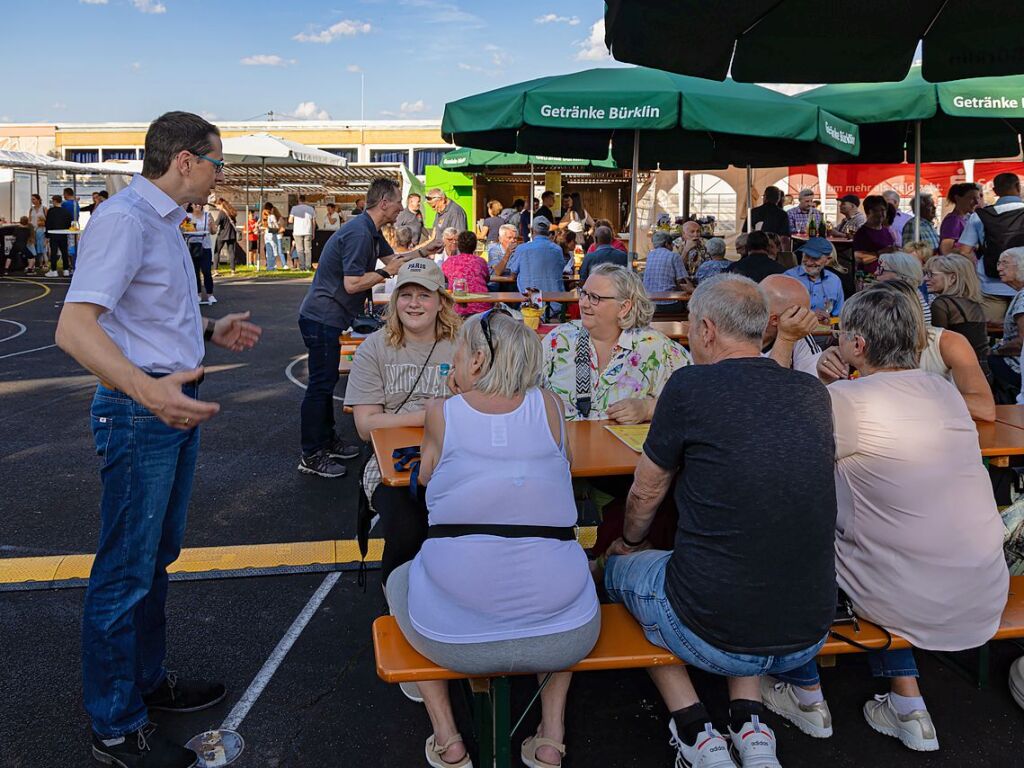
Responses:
[406,109]
[344,28]
[308,110]
[469,67]
[551,18]
[266,60]
[93,2]
[354,68]
[58,105]
[593,48]
[5,118]
[149,6]
[499,56]
[135,66]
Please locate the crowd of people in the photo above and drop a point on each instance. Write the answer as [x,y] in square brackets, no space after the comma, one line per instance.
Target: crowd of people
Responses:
[481,566]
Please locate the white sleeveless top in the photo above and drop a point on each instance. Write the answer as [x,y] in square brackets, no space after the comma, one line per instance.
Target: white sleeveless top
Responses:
[500,469]
[931,356]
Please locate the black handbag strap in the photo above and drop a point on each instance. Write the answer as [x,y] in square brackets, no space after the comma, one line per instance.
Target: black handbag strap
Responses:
[448,531]
[583,380]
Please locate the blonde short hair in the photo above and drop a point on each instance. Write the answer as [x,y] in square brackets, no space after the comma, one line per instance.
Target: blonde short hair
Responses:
[628,287]
[919,248]
[446,326]
[518,356]
[965,282]
[904,264]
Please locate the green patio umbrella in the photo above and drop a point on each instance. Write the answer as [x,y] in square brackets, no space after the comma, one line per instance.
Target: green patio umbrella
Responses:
[651,118]
[475,160]
[801,41]
[930,122]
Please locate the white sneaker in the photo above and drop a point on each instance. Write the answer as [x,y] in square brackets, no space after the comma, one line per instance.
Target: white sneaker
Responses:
[204,302]
[411,691]
[213,299]
[1017,681]
[915,730]
[754,745]
[52,273]
[710,751]
[66,273]
[814,720]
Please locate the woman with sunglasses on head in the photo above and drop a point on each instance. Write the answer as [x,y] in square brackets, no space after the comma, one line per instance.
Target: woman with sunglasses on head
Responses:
[502,585]
[957,306]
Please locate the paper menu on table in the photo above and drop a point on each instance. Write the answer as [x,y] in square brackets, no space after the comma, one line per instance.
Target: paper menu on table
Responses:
[633,435]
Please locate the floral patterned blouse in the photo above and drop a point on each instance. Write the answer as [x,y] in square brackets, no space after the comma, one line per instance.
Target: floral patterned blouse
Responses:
[641,364]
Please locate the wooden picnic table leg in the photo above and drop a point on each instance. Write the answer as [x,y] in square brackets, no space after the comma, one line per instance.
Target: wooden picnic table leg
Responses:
[500,695]
[483,720]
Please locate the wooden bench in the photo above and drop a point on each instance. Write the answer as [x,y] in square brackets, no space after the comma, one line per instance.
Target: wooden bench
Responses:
[621,645]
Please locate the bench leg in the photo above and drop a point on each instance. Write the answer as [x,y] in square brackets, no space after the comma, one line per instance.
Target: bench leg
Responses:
[501,697]
[483,720]
[978,675]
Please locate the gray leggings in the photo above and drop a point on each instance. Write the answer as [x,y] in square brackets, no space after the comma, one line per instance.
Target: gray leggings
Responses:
[547,653]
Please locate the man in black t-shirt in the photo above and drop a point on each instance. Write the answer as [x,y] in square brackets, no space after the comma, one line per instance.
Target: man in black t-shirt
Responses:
[756,263]
[750,587]
[547,199]
[769,216]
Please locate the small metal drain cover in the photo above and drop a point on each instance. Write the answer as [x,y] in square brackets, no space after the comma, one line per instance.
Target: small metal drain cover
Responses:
[217,748]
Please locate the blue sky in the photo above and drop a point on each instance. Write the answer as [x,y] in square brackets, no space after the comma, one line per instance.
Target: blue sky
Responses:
[130,60]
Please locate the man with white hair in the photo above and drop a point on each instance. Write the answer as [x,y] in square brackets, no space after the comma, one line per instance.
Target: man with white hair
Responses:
[716,601]
[787,338]
[892,197]
[802,214]
[449,244]
[449,214]
[927,232]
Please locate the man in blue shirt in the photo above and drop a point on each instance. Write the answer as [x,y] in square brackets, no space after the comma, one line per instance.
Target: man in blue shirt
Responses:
[825,287]
[602,254]
[498,252]
[538,263]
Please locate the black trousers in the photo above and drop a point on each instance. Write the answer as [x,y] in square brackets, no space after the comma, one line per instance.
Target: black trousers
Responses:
[58,247]
[202,263]
[403,523]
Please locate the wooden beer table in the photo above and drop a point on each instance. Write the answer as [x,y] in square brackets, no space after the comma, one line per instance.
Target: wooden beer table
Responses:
[596,452]
[1011,414]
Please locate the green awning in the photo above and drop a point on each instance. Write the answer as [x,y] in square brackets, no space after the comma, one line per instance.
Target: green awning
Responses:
[981,117]
[797,41]
[475,160]
[683,122]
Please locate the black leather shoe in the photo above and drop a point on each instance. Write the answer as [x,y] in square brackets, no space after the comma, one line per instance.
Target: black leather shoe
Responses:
[342,450]
[178,695]
[143,749]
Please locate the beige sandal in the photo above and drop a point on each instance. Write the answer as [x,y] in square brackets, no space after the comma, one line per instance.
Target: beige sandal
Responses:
[529,752]
[435,750]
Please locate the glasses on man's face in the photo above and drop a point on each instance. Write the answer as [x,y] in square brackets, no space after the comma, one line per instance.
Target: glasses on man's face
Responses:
[485,326]
[218,165]
[594,299]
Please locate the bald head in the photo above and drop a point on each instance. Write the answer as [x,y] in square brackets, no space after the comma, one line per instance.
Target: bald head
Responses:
[782,292]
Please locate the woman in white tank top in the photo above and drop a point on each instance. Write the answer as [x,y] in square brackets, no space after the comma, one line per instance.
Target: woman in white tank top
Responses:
[501,584]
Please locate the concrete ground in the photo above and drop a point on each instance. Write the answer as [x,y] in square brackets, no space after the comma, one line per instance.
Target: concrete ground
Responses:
[323,704]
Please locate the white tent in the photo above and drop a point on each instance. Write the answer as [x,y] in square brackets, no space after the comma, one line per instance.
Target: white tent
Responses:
[259,149]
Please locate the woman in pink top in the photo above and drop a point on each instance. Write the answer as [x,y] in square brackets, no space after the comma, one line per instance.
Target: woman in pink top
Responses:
[468,266]
[918,537]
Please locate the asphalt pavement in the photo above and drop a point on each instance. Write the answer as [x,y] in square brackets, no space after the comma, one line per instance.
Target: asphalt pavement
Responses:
[322,704]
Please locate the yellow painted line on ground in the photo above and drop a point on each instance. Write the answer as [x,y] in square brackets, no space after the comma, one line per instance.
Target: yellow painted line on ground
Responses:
[44,294]
[17,570]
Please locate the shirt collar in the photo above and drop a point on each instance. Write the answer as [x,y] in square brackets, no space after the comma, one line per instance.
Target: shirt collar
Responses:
[1008,199]
[158,200]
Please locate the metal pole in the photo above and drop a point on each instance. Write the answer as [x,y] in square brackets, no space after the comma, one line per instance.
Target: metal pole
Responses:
[529,199]
[247,218]
[750,193]
[686,195]
[917,180]
[632,194]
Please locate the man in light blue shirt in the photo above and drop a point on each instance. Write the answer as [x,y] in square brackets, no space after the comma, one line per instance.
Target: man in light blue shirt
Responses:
[539,263]
[497,252]
[996,294]
[825,287]
[131,316]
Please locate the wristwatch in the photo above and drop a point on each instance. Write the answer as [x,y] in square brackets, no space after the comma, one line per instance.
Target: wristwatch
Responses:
[383,273]
[208,331]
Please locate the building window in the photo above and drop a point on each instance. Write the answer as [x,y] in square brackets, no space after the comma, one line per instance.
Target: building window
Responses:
[118,154]
[425,157]
[142,154]
[351,154]
[82,155]
[389,156]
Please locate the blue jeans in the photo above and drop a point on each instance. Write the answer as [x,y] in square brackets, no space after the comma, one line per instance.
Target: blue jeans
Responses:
[146,473]
[272,243]
[638,581]
[883,664]
[317,411]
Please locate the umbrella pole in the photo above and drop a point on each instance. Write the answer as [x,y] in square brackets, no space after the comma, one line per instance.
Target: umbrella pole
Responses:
[632,194]
[247,215]
[917,180]
[529,199]
[750,192]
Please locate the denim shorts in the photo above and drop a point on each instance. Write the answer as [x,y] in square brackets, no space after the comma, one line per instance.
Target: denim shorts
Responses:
[638,582]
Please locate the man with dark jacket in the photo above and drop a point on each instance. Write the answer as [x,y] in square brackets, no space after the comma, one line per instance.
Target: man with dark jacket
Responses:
[58,217]
[757,264]
[602,254]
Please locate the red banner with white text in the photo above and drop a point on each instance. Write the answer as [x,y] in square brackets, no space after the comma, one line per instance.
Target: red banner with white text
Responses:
[864,180]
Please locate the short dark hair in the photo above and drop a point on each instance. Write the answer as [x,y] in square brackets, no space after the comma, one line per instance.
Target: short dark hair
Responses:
[55,199]
[380,188]
[757,241]
[175,132]
[875,201]
[412,195]
[302,198]
[772,195]
[466,242]
[547,193]
[331,205]
[603,236]
[519,204]
[104,194]
[69,191]
[1006,184]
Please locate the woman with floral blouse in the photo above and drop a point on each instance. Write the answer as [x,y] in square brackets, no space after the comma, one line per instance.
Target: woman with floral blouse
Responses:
[628,361]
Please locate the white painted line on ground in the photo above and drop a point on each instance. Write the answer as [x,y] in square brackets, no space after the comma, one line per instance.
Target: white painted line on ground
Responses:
[252,693]
[295,381]
[21,330]
[26,351]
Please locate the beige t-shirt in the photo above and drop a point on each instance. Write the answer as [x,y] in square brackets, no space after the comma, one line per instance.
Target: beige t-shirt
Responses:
[384,375]
[919,542]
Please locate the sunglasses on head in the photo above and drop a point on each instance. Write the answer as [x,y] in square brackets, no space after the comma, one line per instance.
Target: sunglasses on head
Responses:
[485,325]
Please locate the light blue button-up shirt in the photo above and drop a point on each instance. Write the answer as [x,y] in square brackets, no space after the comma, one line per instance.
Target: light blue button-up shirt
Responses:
[828,287]
[133,262]
[538,264]
[974,235]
